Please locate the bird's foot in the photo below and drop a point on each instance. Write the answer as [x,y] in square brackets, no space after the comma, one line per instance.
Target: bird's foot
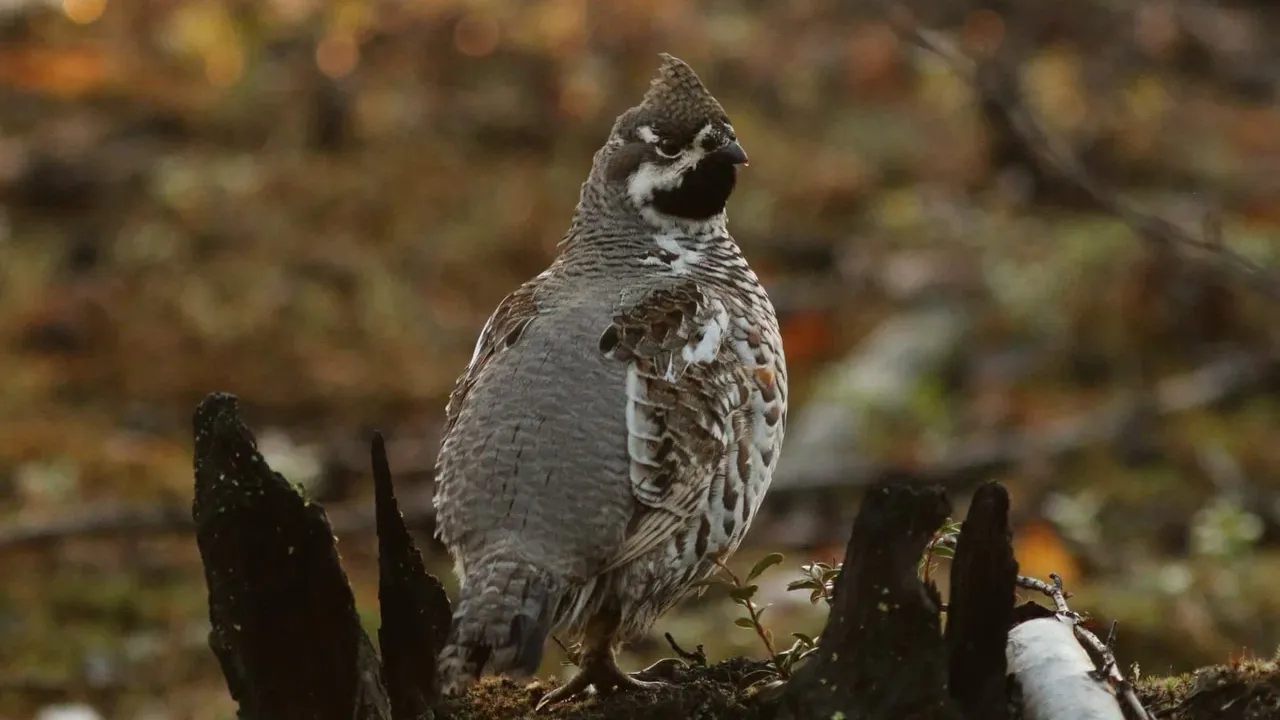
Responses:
[601,672]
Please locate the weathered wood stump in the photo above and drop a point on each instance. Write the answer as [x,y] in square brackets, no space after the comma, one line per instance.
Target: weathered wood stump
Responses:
[285,628]
[881,654]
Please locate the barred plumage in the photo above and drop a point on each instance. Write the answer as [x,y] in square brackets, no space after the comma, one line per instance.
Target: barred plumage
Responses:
[621,417]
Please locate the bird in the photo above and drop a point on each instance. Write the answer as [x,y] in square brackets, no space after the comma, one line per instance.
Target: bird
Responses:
[621,416]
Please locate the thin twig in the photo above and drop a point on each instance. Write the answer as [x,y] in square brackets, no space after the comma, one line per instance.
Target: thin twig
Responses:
[1104,658]
[569,654]
[697,657]
[754,613]
[1005,92]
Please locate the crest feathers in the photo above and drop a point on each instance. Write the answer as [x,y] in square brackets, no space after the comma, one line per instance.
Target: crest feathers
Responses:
[677,83]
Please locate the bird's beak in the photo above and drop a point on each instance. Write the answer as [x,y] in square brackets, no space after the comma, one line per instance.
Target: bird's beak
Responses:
[734,153]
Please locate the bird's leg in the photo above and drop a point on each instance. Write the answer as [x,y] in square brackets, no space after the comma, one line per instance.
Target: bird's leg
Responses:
[571,653]
[597,667]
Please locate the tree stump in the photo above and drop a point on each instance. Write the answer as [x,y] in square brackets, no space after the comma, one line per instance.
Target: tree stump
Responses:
[285,628]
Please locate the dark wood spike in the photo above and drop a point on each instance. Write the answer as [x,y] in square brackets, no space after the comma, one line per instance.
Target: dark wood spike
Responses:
[980,615]
[284,623]
[414,608]
[881,610]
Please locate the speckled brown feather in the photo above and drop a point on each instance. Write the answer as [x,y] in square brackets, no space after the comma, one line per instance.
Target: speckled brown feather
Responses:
[685,407]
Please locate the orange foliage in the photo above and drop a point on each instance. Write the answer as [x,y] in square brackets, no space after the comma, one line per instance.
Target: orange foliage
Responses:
[64,72]
[1040,551]
[807,336]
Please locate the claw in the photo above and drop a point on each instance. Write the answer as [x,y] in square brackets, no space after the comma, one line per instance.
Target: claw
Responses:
[576,685]
[601,673]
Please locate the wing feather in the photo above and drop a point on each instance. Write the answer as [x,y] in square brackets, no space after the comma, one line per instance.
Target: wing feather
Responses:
[683,386]
[502,330]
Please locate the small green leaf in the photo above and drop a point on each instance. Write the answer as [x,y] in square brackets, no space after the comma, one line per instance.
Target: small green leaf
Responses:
[815,596]
[744,593]
[943,551]
[763,564]
[805,640]
[744,623]
[803,585]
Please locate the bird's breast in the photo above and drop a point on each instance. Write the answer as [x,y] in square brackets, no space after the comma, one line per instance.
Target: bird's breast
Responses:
[537,456]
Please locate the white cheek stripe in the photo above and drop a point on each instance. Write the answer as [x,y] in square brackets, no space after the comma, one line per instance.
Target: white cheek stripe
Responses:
[650,177]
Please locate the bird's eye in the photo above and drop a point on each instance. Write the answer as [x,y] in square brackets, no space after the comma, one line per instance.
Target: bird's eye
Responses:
[668,148]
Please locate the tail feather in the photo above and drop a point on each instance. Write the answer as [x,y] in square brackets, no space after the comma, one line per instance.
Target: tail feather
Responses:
[501,621]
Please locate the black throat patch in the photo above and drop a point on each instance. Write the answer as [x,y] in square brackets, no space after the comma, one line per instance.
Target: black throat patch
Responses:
[703,192]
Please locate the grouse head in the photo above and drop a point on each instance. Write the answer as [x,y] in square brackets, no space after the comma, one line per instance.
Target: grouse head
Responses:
[675,154]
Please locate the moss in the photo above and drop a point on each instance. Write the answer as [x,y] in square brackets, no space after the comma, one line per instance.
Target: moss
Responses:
[695,693]
[1246,690]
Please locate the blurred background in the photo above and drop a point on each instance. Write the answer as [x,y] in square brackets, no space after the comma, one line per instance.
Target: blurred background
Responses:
[315,204]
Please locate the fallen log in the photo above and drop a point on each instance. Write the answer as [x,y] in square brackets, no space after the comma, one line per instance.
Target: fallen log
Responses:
[1056,676]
